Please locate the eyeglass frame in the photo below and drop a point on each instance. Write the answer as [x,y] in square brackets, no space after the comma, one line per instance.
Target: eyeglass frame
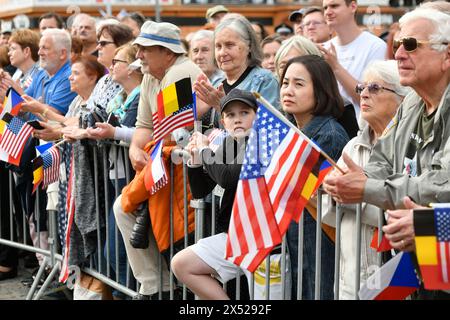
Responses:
[312,22]
[114,61]
[396,44]
[103,43]
[373,88]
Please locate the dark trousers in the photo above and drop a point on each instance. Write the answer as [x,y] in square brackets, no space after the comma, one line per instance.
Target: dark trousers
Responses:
[309,260]
[8,255]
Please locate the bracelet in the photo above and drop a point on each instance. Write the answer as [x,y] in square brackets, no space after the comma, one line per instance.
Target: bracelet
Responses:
[44,114]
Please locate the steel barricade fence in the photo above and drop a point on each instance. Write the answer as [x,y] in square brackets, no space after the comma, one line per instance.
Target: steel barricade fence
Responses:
[106,260]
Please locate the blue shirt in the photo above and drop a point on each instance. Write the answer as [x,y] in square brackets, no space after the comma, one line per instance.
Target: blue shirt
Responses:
[53,91]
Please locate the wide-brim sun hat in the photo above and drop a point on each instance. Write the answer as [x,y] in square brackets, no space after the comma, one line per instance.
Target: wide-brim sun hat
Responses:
[160,34]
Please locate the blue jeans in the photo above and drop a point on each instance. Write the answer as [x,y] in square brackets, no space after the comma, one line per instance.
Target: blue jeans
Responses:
[309,260]
[122,279]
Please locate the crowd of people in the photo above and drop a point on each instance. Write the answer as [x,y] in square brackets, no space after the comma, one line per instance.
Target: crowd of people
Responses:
[377,107]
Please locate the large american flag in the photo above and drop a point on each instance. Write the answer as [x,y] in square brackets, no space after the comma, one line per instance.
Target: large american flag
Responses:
[277,163]
[15,135]
[183,117]
[52,160]
[442,222]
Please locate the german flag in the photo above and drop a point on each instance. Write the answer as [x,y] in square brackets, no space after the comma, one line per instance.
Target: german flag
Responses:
[38,172]
[432,266]
[174,97]
[314,180]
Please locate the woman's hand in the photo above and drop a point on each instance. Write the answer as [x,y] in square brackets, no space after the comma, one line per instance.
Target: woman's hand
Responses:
[207,93]
[72,121]
[103,131]
[73,133]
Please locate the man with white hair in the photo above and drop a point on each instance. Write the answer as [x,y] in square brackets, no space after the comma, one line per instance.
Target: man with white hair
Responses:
[49,90]
[85,30]
[412,162]
[202,53]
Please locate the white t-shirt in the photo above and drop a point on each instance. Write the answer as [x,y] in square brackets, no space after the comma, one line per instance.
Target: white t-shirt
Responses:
[355,56]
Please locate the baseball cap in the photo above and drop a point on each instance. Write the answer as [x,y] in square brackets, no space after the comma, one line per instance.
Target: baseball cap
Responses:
[214,10]
[294,14]
[239,95]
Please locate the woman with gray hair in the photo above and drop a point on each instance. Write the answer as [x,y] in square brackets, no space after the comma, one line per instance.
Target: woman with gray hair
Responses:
[294,47]
[381,95]
[238,54]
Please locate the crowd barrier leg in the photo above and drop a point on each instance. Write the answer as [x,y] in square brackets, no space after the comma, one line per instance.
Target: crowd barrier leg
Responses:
[337,253]
[300,257]
[317,281]
[358,251]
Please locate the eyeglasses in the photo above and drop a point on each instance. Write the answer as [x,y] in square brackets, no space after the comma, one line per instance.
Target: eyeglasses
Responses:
[311,23]
[104,43]
[114,61]
[411,44]
[374,88]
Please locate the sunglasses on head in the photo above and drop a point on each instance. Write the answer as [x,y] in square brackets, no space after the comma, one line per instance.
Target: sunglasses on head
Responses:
[411,44]
[374,88]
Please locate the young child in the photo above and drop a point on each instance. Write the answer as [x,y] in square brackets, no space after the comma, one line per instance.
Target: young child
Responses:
[195,265]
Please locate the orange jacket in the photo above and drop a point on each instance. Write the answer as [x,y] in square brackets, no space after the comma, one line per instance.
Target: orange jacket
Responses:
[159,203]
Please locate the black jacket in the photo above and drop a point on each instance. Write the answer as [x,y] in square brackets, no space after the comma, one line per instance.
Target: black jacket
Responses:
[222,168]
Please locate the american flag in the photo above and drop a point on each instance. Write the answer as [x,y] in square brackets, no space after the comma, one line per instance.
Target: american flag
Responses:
[182,118]
[216,138]
[52,162]
[70,208]
[276,166]
[442,221]
[15,135]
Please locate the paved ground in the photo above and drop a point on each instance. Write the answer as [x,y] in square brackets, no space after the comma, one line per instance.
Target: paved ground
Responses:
[13,289]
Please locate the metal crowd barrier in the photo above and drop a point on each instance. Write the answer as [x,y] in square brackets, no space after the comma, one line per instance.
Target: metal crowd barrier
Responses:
[101,268]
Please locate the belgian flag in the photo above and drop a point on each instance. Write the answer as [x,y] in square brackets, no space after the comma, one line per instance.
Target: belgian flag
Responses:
[432,264]
[174,97]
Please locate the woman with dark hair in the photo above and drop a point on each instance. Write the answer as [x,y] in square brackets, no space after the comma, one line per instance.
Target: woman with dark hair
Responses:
[309,92]
[259,30]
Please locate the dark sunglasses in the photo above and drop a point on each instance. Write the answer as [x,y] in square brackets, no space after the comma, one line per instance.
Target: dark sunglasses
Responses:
[114,61]
[104,43]
[374,88]
[411,44]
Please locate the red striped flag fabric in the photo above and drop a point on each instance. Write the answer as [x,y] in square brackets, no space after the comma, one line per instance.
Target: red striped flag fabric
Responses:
[15,135]
[52,161]
[271,189]
[442,221]
[184,117]
[70,208]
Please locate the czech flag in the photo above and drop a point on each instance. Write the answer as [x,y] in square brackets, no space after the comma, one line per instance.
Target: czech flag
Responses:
[395,280]
[155,175]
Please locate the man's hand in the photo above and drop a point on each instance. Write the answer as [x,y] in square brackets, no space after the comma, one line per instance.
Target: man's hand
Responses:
[32,105]
[49,133]
[349,187]
[138,158]
[330,56]
[400,226]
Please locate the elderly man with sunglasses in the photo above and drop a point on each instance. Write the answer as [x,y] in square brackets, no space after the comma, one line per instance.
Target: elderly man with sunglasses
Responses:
[413,160]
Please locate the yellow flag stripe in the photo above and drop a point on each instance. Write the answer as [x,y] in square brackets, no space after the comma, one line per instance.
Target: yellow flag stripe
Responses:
[426,250]
[308,189]
[170,99]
